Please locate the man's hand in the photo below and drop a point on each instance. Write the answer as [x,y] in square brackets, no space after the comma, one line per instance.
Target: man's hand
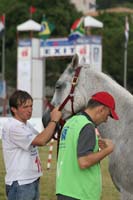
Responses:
[56,114]
[106,143]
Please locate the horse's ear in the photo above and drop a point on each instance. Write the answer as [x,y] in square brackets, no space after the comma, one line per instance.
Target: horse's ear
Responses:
[75,61]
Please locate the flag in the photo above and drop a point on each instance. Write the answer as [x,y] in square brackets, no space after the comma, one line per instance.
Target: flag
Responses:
[126,30]
[46,29]
[32,9]
[77,29]
[2,24]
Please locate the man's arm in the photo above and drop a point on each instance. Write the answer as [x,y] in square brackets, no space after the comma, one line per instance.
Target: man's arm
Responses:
[44,137]
[106,146]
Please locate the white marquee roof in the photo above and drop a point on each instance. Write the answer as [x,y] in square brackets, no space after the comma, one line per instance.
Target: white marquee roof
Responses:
[29,25]
[92,22]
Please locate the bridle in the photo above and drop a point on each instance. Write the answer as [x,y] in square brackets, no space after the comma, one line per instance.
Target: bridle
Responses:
[69,97]
[71,93]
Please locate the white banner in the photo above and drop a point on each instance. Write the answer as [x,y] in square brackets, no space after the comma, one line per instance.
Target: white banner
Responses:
[96,57]
[57,51]
[89,49]
[83,52]
[24,65]
[24,75]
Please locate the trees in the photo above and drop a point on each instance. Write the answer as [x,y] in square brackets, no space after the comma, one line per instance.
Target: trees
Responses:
[59,12]
[113,46]
[63,14]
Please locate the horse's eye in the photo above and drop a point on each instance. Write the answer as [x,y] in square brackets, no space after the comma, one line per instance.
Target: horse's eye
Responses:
[58,85]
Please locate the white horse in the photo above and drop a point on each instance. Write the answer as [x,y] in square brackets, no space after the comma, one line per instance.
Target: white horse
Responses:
[121,131]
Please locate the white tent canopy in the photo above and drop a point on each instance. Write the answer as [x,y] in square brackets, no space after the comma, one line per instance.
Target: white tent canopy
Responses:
[92,22]
[29,25]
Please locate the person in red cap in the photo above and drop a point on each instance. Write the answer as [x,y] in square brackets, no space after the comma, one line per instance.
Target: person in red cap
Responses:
[106,99]
[78,167]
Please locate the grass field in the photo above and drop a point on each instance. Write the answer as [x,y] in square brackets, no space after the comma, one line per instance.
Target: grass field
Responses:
[47,184]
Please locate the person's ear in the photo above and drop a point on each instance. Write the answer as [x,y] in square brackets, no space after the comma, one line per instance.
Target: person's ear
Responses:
[101,109]
[13,109]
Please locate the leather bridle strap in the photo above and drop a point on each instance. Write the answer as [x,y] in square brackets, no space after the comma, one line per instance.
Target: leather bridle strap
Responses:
[71,94]
[49,105]
[69,97]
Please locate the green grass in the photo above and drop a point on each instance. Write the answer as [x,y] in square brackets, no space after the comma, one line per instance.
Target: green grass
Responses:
[47,183]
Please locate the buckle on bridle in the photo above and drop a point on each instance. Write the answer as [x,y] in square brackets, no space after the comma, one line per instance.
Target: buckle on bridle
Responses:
[75,80]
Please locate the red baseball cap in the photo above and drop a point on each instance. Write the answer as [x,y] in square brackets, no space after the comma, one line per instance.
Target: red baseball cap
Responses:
[106,99]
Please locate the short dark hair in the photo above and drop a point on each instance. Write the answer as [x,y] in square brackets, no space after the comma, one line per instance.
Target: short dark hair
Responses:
[18,98]
[92,103]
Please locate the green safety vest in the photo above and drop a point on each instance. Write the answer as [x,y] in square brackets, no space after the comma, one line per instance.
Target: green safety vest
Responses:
[71,180]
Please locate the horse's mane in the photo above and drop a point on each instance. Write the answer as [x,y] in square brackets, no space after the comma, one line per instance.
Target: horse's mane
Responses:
[112,85]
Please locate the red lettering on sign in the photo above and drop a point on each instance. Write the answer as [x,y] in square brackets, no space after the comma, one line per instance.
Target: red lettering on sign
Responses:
[83,50]
[24,53]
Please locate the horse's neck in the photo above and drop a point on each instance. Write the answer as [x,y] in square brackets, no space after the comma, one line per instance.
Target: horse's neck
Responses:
[96,81]
[92,82]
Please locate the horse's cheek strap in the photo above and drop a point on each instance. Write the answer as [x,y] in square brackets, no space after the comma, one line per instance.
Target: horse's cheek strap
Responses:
[64,103]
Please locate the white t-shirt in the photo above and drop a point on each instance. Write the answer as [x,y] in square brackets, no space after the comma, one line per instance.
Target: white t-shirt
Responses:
[21,159]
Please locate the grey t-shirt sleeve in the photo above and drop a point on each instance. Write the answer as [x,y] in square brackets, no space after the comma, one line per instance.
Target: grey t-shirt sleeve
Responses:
[86,141]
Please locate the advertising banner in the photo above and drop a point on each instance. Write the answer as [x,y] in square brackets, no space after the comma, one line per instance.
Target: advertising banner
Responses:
[24,65]
[88,48]
[56,47]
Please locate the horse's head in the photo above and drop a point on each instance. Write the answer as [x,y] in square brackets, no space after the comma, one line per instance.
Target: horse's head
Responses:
[62,90]
[74,88]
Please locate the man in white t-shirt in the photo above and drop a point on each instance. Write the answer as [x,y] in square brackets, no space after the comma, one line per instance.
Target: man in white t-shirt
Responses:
[19,142]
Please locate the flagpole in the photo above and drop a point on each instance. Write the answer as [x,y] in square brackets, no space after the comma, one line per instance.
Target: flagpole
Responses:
[125,66]
[3,53]
[125,50]
[30,15]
